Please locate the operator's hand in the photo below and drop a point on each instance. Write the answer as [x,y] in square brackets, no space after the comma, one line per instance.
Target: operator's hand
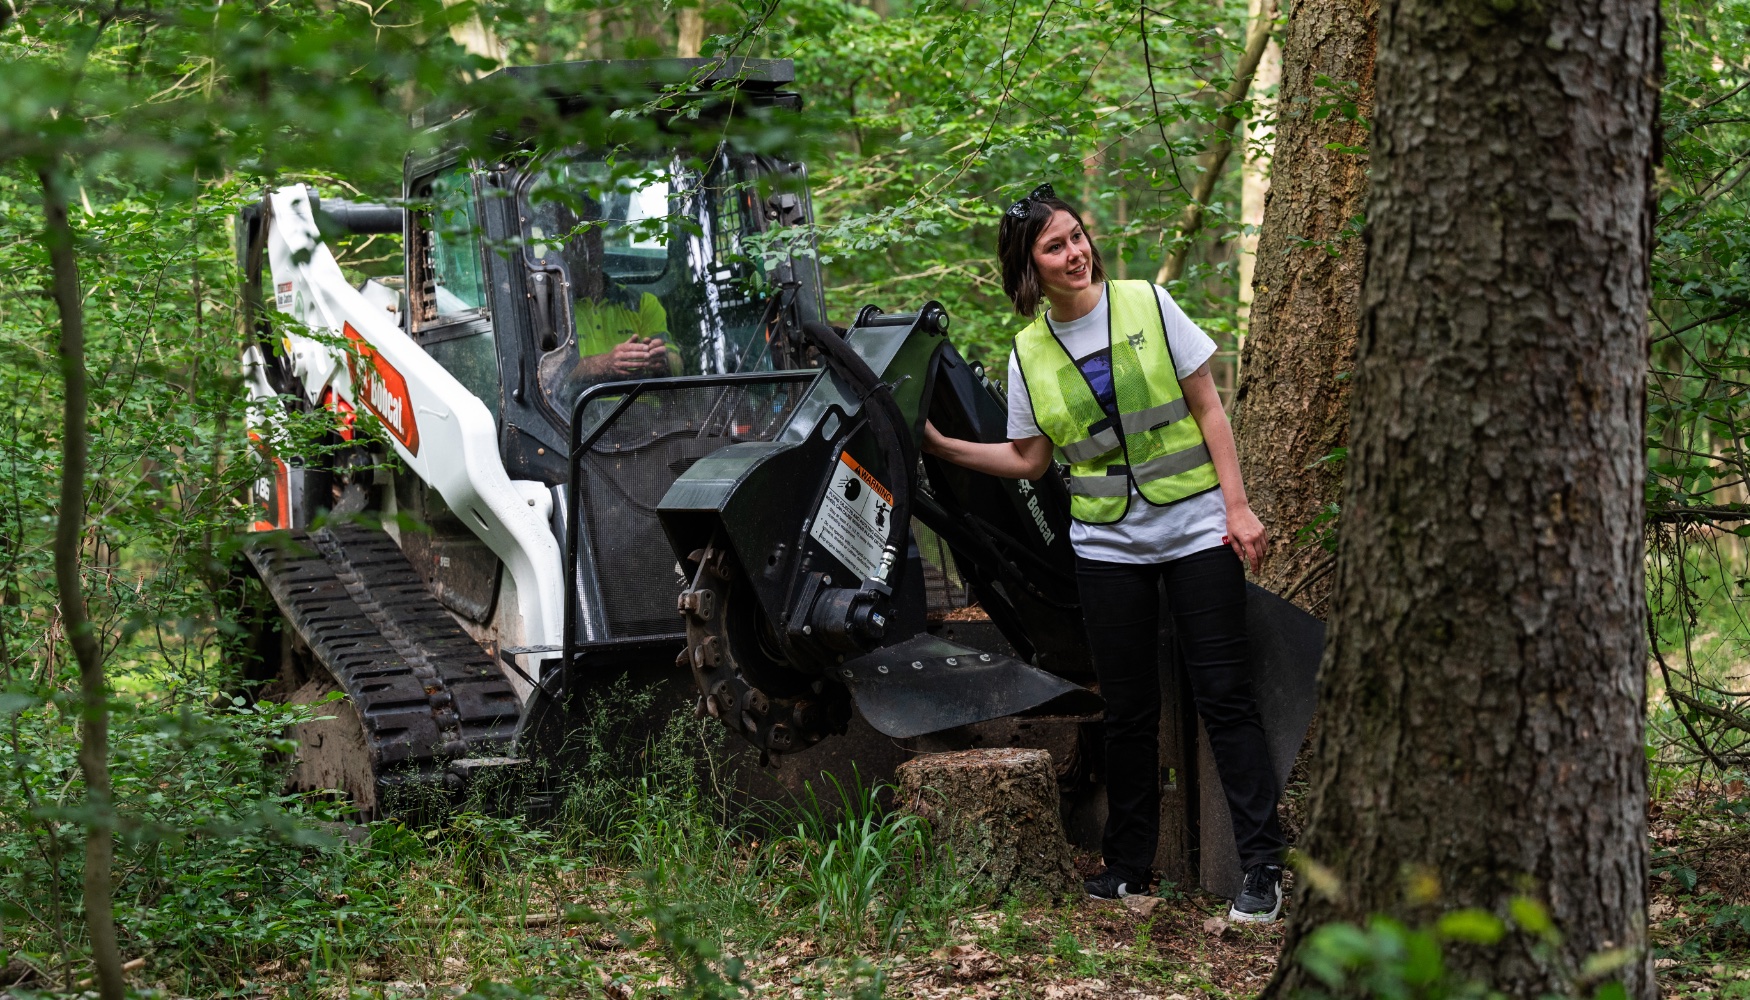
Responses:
[629,359]
[658,363]
[1245,534]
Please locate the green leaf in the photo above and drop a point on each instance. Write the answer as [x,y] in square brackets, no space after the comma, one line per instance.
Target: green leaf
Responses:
[1332,951]
[1423,962]
[1472,926]
[1605,962]
[1531,916]
[13,702]
[1685,875]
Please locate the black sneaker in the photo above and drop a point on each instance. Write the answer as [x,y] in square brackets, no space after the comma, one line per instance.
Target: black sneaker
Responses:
[1261,900]
[1111,885]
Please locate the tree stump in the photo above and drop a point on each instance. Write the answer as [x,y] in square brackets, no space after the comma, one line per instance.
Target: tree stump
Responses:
[997,810]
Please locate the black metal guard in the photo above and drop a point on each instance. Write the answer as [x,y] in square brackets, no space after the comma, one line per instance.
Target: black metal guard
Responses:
[628,392]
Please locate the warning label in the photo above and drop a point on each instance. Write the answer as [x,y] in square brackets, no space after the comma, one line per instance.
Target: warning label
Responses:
[852,522]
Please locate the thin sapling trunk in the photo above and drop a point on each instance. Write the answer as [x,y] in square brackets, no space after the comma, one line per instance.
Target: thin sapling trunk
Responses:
[69,532]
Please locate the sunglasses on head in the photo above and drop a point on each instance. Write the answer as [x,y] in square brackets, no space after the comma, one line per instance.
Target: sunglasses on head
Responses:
[1019,209]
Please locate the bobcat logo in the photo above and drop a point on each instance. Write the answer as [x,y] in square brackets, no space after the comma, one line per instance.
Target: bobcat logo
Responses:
[1135,340]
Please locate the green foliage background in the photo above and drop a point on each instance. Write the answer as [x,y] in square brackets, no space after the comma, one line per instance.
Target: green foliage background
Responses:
[1698,459]
[925,119]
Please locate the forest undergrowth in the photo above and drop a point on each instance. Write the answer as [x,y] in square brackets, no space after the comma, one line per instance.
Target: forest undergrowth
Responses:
[650,882]
[1700,910]
[654,882]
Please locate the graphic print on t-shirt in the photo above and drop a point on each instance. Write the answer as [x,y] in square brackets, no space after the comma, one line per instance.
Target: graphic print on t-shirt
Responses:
[1097,369]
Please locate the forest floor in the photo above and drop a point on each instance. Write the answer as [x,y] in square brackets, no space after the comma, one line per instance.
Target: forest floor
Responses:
[646,889]
[1699,911]
[1177,946]
[1169,947]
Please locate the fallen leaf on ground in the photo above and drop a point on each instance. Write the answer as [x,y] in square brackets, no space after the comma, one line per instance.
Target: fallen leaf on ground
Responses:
[1143,905]
[970,961]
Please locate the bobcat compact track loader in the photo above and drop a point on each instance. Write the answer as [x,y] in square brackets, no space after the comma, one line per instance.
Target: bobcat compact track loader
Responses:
[729,511]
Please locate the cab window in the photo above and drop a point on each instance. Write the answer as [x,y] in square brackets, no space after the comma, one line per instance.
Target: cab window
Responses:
[647,255]
[449,280]
[451,284]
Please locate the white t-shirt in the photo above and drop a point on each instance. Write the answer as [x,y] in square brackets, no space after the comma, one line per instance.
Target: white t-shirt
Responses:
[1148,533]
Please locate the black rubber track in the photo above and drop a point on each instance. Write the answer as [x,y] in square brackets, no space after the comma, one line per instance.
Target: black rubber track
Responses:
[424,689]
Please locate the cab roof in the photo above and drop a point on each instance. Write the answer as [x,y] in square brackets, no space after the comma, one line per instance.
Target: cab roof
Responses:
[624,82]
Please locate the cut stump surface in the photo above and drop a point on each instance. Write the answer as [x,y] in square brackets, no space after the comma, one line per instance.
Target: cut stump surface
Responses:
[997,809]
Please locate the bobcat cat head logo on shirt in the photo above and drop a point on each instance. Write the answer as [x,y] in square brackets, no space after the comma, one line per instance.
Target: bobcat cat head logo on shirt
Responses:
[1135,340]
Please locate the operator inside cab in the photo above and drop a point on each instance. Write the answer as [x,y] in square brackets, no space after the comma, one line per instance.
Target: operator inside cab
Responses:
[648,251]
[619,332]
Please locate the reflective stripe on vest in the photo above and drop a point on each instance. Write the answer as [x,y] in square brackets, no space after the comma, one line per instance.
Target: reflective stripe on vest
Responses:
[1091,448]
[1107,439]
[1151,444]
[1116,481]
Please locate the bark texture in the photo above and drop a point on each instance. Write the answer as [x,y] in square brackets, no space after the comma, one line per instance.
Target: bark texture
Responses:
[1483,682]
[999,811]
[1292,404]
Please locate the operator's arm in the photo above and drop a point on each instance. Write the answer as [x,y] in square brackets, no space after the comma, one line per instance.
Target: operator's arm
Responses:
[1244,531]
[1027,458]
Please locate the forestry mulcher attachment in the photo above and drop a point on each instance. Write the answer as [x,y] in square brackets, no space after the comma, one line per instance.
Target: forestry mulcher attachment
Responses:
[623,441]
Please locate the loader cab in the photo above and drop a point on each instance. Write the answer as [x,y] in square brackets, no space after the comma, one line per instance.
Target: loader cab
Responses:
[447,282]
[646,252]
[527,269]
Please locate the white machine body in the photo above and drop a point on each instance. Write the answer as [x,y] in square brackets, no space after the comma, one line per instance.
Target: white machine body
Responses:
[344,342]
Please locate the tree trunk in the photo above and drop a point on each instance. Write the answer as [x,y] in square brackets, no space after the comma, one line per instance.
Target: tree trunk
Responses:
[69,534]
[593,45]
[998,810]
[689,32]
[475,35]
[1292,405]
[1483,683]
[1257,137]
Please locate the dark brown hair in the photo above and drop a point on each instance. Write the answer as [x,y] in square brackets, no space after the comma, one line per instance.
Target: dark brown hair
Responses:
[1022,225]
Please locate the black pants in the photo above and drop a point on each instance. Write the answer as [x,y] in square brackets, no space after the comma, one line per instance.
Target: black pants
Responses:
[1206,594]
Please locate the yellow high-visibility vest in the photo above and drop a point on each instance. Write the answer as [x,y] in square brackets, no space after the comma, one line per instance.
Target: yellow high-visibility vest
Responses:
[1154,442]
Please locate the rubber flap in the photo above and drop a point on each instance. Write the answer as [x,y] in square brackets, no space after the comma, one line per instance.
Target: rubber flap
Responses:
[926,684]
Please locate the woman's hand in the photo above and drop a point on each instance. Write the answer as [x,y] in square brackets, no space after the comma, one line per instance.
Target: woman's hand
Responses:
[934,440]
[1245,534]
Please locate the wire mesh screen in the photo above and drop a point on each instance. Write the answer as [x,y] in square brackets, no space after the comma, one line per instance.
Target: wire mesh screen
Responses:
[631,466]
[946,592]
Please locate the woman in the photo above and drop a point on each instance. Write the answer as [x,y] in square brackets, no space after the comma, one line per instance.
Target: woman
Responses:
[1115,378]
